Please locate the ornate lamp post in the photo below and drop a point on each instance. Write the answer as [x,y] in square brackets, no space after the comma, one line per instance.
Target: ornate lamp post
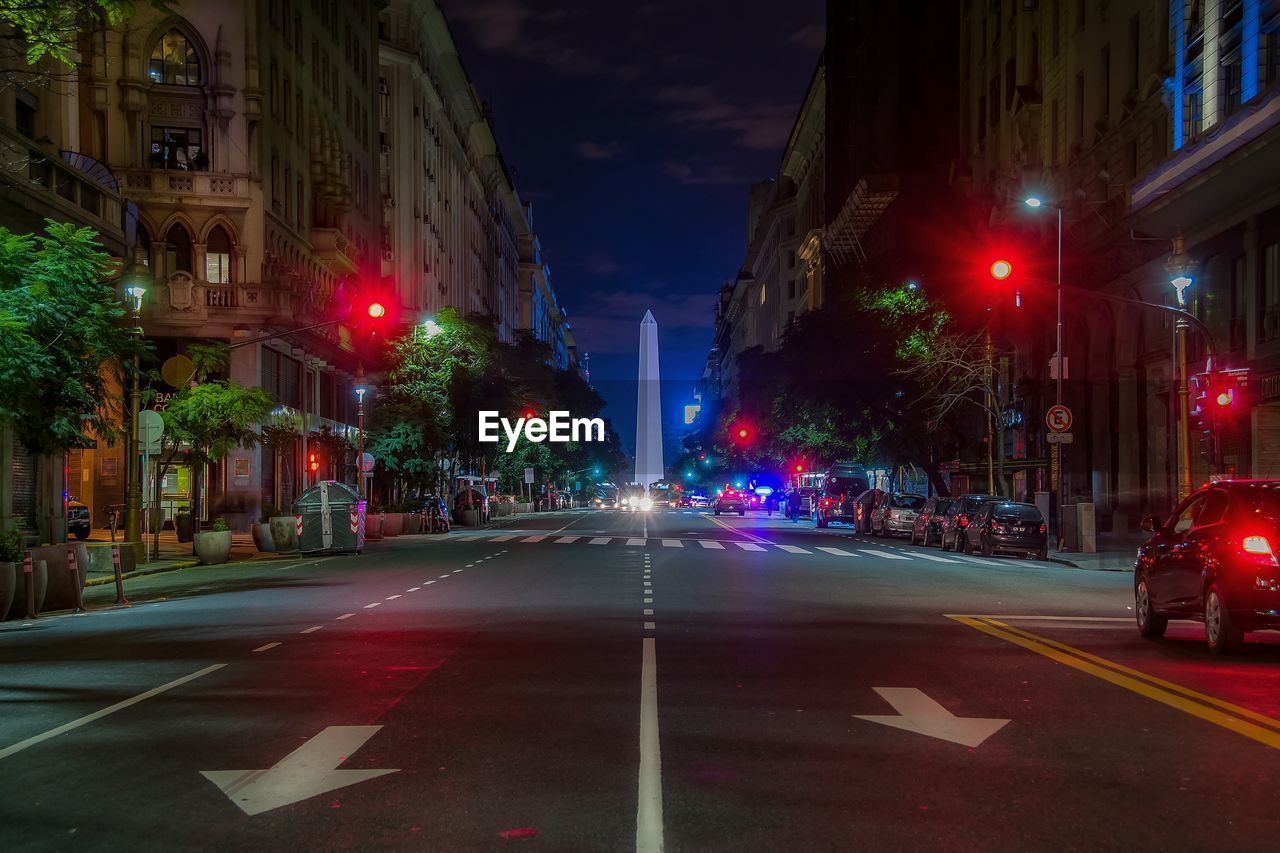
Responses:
[1055,461]
[361,389]
[1180,269]
[135,290]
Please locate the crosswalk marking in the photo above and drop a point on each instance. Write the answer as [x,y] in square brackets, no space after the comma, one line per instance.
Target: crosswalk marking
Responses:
[710,544]
[980,562]
[748,546]
[502,538]
[884,554]
[533,539]
[601,540]
[565,540]
[635,542]
[672,543]
[793,549]
[836,551]
[933,557]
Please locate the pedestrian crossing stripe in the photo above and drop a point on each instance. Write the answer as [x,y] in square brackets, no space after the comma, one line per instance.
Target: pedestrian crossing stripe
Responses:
[748,546]
[672,543]
[567,540]
[835,551]
[711,544]
[793,549]
[884,554]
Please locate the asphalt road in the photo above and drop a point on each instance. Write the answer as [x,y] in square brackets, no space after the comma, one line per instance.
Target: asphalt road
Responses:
[601,680]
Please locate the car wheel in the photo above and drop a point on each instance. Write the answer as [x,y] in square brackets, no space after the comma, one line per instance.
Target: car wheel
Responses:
[926,538]
[943,542]
[1150,623]
[987,550]
[913,536]
[821,522]
[717,512]
[1043,554]
[1223,637]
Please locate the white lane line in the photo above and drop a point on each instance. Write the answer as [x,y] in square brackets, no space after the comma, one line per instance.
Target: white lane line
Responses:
[538,538]
[932,557]
[636,541]
[268,647]
[792,549]
[648,601]
[392,597]
[442,577]
[344,616]
[311,630]
[711,545]
[748,546]
[110,709]
[502,539]
[649,809]
[836,551]
[567,540]
[427,583]
[649,626]
[413,589]
[600,540]
[648,583]
[648,611]
[874,553]
[455,571]
[979,561]
[371,606]
[672,543]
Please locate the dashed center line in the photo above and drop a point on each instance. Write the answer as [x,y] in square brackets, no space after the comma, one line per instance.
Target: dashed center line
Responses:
[413,589]
[311,630]
[392,597]
[344,616]
[268,647]
[442,577]
[371,606]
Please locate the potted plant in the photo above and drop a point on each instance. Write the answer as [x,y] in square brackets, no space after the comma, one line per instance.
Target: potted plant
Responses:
[262,538]
[214,546]
[10,557]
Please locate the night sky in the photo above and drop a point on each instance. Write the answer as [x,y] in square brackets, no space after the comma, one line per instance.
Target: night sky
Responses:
[635,131]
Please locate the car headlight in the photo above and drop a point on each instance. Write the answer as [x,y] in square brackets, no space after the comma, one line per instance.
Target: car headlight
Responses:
[646,504]
[625,501]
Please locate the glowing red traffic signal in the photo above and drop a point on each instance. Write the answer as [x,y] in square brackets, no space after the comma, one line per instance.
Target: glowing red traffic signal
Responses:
[1001,269]
[1226,398]
[377,310]
[313,463]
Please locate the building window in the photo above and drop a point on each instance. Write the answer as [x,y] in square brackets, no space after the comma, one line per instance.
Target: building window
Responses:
[1079,128]
[1238,329]
[174,61]
[218,257]
[1230,69]
[177,255]
[1269,294]
[178,148]
[791,289]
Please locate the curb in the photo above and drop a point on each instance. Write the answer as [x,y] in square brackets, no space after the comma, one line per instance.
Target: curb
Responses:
[1060,561]
[138,573]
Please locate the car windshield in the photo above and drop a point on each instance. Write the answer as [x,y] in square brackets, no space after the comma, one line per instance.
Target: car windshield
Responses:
[907,501]
[846,485]
[972,502]
[1016,512]
[1264,502]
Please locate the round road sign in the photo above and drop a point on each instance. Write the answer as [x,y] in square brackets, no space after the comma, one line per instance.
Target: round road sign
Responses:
[1058,418]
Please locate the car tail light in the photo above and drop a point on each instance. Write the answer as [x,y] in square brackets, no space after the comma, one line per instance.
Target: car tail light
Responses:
[1258,549]
[888,515]
[962,520]
[1043,528]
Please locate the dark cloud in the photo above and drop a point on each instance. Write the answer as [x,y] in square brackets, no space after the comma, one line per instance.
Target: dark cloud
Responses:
[810,37]
[589,150]
[689,176]
[609,321]
[759,124]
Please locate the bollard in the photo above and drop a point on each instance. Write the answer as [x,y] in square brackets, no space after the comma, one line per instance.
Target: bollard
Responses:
[115,565]
[29,571]
[75,580]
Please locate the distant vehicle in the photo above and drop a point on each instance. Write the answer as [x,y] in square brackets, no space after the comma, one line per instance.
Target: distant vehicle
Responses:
[1214,559]
[894,513]
[841,487]
[809,484]
[958,516]
[663,494]
[927,528]
[78,519]
[606,496]
[699,501]
[1005,527]
[731,500]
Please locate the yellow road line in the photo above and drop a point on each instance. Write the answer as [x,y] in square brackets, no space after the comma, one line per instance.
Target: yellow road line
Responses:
[1197,704]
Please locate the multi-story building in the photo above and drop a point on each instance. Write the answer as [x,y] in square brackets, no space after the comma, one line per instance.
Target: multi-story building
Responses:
[1141,121]
[540,313]
[452,219]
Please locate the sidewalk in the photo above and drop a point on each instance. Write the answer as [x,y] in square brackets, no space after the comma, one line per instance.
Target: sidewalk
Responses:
[173,555]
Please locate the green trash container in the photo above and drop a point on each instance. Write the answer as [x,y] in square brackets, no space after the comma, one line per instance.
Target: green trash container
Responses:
[330,519]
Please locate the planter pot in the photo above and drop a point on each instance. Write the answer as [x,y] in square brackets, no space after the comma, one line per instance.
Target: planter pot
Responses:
[470,517]
[182,525]
[284,533]
[262,538]
[412,524]
[8,586]
[393,525]
[59,592]
[373,526]
[213,546]
[40,577]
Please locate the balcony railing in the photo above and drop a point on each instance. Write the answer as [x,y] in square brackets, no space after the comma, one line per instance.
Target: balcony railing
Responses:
[143,182]
[183,300]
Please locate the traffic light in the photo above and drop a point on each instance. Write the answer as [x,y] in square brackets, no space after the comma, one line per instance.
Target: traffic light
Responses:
[741,433]
[313,462]
[376,310]
[1001,269]
[1218,399]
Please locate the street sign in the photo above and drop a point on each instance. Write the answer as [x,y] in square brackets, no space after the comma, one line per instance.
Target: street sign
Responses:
[528,475]
[1058,418]
[150,428]
[1058,438]
[366,462]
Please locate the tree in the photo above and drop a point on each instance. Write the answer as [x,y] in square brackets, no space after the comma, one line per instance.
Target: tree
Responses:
[279,434]
[52,28]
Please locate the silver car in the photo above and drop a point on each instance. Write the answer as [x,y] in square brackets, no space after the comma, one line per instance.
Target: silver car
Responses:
[894,513]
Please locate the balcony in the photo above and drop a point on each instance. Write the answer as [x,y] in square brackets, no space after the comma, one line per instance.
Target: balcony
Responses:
[185,303]
[332,248]
[174,187]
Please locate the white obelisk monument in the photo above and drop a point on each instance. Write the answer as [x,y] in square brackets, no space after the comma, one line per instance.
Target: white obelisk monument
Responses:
[649,468]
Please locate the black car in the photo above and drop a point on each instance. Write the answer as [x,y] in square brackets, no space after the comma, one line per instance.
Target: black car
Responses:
[838,499]
[1006,527]
[927,528]
[958,516]
[78,519]
[1214,560]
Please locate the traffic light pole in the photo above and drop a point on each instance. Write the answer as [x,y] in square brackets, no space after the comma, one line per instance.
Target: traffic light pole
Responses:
[1184,413]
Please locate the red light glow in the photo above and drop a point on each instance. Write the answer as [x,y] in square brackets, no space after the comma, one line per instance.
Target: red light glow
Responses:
[1001,269]
[377,310]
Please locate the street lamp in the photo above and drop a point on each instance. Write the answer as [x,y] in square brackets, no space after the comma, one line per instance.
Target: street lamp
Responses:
[1055,462]
[1180,269]
[135,290]
[361,389]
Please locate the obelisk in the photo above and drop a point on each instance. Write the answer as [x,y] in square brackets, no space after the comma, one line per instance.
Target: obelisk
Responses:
[649,468]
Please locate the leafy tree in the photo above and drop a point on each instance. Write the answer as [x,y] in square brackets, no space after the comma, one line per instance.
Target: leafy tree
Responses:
[278,435]
[52,28]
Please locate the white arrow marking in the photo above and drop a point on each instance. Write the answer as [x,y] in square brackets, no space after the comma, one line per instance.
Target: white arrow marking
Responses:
[306,772]
[920,714]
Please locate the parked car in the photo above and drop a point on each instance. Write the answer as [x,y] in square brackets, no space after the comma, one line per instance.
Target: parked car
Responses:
[731,500]
[78,519]
[927,527]
[862,507]
[841,487]
[958,516]
[701,501]
[1006,527]
[1214,560]
[894,513]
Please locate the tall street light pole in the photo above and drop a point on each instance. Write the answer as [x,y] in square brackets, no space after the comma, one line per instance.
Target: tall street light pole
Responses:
[1055,452]
[1180,269]
[133,474]
[361,389]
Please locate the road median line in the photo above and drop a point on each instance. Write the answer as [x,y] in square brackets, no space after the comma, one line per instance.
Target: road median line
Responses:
[1251,724]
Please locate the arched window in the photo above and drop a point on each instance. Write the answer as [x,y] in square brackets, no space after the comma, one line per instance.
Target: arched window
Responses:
[174,61]
[218,257]
[177,256]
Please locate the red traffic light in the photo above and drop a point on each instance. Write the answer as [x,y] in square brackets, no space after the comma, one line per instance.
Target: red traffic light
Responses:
[1226,398]
[377,310]
[1001,269]
[313,463]
[743,432]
